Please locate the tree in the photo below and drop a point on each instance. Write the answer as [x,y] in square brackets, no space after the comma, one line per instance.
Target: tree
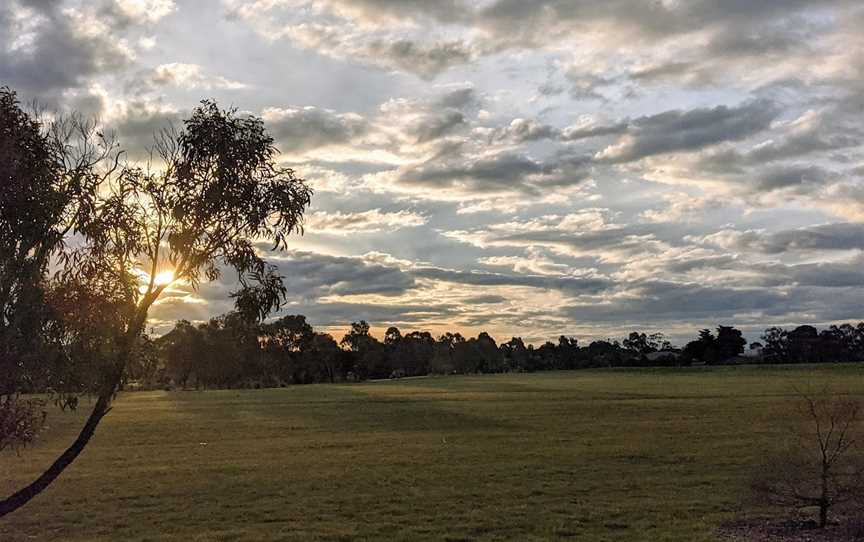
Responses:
[217,192]
[48,186]
[803,344]
[567,352]
[284,342]
[730,342]
[776,345]
[357,337]
[323,351]
[370,360]
[821,466]
[702,349]
[392,335]
[515,354]
[182,350]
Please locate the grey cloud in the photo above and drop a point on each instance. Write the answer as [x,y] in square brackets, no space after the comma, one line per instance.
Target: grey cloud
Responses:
[505,171]
[341,313]
[426,61]
[677,130]
[138,127]
[311,276]
[789,176]
[511,172]
[523,130]
[459,98]
[473,278]
[485,300]
[58,57]
[302,129]
[657,300]
[544,20]
[447,11]
[625,241]
[437,125]
[822,274]
[837,236]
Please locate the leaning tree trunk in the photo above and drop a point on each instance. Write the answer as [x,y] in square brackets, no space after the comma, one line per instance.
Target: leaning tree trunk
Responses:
[103,405]
[24,495]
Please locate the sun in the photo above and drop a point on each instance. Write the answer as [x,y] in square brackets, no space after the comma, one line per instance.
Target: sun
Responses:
[164,277]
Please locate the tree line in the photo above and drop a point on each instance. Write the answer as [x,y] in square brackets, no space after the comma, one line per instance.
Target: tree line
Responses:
[232,351]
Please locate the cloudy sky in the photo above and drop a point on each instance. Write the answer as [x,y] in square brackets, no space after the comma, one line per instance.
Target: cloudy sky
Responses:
[530,168]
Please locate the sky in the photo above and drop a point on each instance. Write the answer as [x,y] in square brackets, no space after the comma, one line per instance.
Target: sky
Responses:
[525,168]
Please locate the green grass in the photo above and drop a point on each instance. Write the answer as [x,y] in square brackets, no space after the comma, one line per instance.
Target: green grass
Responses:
[593,455]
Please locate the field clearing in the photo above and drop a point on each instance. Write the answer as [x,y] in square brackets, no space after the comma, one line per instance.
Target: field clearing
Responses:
[655,454]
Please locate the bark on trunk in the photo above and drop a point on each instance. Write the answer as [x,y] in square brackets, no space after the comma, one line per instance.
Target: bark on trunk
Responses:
[24,495]
[823,514]
[103,405]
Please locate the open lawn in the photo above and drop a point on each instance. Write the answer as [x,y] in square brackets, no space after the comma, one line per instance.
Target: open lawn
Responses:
[589,455]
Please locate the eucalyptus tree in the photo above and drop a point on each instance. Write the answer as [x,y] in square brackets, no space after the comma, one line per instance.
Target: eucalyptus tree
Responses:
[209,198]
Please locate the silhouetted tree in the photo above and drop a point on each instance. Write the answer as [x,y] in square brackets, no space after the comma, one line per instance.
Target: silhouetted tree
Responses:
[48,188]
[284,342]
[730,342]
[182,350]
[639,343]
[567,352]
[803,344]
[324,355]
[515,355]
[392,335]
[217,192]
[776,345]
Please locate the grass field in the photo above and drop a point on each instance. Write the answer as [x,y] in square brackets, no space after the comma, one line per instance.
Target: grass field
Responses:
[600,455]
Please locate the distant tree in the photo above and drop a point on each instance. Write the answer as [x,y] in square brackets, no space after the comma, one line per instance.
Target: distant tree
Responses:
[821,467]
[217,192]
[443,358]
[284,341]
[357,337]
[181,350]
[639,343]
[730,343]
[605,353]
[392,335]
[803,344]
[477,355]
[567,352]
[515,355]
[370,360]
[413,354]
[144,363]
[776,345]
[324,354]
[704,349]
